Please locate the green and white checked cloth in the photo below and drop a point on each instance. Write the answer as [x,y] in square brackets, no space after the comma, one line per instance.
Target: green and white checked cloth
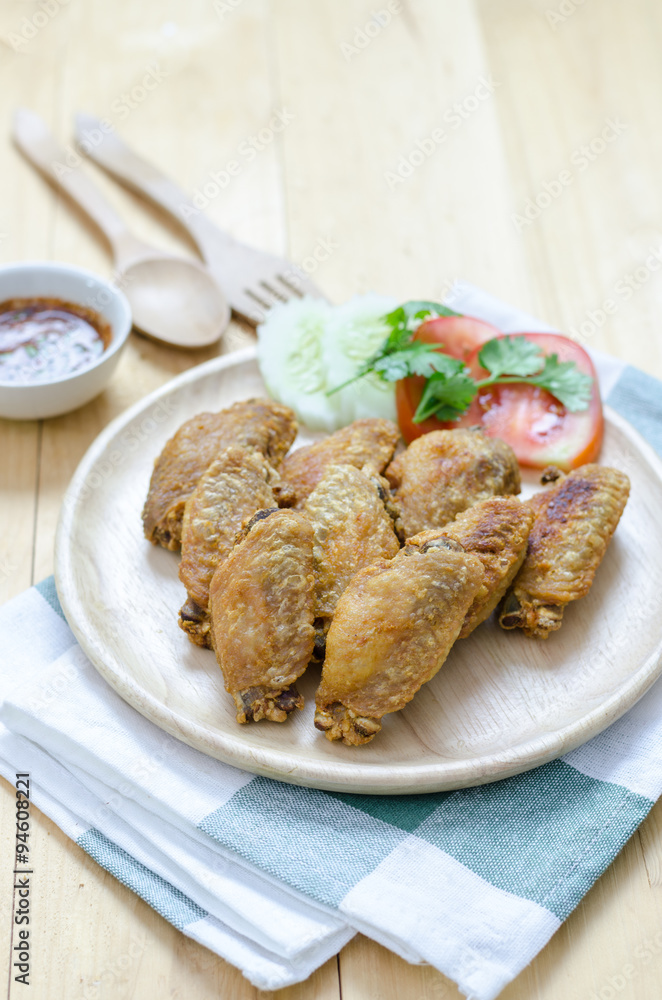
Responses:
[276,878]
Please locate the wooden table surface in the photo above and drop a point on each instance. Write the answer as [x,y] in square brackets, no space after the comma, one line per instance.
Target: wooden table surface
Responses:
[546,190]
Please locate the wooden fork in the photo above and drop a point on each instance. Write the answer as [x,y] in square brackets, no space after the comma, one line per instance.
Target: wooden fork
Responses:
[253,281]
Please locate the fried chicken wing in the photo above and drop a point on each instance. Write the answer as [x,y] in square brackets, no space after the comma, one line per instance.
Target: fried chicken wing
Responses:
[195,621]
[365,442]
[392,630]
[236,485]
[574,522]
[262,608]
[257,424]
[444,472]
[495,530]
[352,529]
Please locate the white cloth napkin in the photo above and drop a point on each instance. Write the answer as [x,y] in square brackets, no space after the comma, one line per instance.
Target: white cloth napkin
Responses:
[276,878]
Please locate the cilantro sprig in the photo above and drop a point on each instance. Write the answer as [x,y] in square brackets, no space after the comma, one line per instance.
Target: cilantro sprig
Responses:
[447,395]
[450,388]
[400,355]
[516,359]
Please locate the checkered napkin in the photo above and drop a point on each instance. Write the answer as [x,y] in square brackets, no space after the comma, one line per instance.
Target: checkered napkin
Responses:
[277,878]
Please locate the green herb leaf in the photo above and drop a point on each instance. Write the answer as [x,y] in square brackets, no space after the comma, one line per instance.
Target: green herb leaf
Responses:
[511,356]
[400,356]
[565,381]
[450,389]
[413,359]
[411,314]
[446,395]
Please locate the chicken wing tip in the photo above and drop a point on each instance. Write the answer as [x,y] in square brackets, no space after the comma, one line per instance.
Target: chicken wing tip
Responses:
[262,702]
[338,722]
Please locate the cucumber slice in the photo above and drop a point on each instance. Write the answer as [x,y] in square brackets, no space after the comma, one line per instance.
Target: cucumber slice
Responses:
[289,353]
[307,347]
[356,330]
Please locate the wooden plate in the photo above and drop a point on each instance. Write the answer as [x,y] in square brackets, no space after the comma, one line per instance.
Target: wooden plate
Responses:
[500,705]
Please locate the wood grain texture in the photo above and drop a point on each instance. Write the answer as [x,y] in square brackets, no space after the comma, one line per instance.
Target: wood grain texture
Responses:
[348,138]
[651,842]
[19,468]
[325,179]
[562,83]
[501,703]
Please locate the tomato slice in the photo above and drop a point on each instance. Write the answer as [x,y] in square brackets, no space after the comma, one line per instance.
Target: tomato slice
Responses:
[459,335]
[538,428]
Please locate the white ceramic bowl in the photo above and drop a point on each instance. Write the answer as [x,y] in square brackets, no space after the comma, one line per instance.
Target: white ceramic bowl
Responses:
[50,397]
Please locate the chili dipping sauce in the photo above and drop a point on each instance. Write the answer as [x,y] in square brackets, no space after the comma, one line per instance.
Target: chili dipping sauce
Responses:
[42,339]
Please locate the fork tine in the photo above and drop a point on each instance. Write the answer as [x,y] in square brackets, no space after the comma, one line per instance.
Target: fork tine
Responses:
[275,288]
[290,287]
[274,292]
[298,281]
[237,267]
[252,307]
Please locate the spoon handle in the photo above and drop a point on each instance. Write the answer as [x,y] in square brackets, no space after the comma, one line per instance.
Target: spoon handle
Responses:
[108,150]
[36,142]
[253,280]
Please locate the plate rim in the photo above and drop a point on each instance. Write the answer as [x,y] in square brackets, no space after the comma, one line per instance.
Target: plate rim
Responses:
[283,765]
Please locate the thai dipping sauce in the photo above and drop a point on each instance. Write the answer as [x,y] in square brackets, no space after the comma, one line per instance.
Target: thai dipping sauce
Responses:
[42,339]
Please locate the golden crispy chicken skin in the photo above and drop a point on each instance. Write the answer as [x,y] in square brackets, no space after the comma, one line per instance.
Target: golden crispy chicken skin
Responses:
[365,442]
[444,472]
[574,522]
[236,485]
[352,529]
[195,621]
[257,424]
[495,530]
[262,608]
[392,630]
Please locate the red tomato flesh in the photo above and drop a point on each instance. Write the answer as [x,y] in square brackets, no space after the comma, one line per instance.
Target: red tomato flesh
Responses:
[458,335]
[538,428]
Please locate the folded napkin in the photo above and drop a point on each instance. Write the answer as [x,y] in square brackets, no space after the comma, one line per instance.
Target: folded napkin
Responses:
[277,878]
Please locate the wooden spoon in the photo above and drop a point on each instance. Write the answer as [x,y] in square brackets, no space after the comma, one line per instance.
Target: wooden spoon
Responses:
[173,299]
[253,280]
